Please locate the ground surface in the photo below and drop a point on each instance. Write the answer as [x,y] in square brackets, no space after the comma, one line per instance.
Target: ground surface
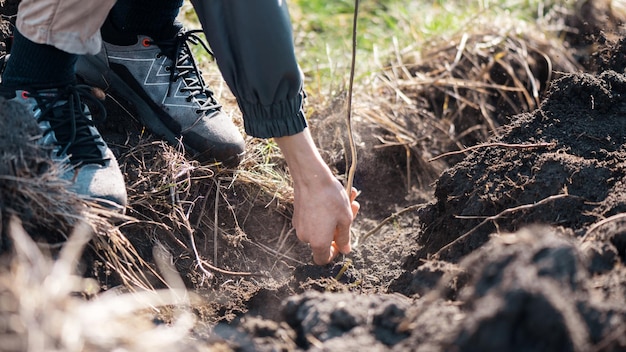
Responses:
[520,245]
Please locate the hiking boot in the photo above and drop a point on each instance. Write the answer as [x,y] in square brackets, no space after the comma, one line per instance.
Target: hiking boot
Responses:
[161,80]
[69,131]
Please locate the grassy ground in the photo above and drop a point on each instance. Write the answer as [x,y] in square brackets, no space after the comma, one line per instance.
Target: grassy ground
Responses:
[323,32]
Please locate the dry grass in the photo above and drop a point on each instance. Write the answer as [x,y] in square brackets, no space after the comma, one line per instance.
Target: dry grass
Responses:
[431,98]
[43,300]
[30,184]
[458,92]
[49,312]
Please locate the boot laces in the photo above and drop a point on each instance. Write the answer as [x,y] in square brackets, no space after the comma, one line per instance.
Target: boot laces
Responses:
[186,67]
[71,121]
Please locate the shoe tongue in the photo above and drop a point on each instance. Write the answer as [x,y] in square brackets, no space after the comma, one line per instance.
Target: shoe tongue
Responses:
[165,35]
[80,154]
[63,135]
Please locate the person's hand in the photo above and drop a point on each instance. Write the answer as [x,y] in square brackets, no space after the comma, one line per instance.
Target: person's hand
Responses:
[322,218]
[323,212]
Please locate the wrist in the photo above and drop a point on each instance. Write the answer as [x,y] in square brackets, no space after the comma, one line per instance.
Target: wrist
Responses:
[305,163]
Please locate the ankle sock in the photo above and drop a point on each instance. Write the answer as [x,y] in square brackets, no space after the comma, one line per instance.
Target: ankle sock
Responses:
[154,18]
[33,65]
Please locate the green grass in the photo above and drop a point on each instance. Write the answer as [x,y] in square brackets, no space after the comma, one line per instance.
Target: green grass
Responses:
[323,32]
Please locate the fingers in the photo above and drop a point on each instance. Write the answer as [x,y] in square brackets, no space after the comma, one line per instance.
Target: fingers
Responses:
[355,208]
[354,193]
[339,234]
[324,254]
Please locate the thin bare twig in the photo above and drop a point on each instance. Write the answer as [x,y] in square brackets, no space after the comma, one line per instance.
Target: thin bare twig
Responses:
[497,216]
[497,144]
[215,219]
[279,255]
[203,264]
[598,224]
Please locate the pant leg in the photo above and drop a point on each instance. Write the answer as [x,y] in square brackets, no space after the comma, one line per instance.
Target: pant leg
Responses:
[253,45]
[69,25]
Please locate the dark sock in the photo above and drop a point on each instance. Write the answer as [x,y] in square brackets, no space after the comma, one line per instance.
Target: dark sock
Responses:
[154,18]
[33,65]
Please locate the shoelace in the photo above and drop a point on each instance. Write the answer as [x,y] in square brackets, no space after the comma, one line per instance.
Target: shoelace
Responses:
[186,67]
[65,111]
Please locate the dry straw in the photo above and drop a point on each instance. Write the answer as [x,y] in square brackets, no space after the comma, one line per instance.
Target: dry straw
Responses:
[50,316]
[42,301]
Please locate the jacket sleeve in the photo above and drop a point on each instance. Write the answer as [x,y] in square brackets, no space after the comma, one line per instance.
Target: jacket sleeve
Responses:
[252,41]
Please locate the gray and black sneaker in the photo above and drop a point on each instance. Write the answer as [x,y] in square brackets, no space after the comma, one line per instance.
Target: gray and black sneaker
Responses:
[69,131]
[160,79]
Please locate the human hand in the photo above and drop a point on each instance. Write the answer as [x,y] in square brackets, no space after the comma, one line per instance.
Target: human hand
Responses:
[322,218]
[323,212]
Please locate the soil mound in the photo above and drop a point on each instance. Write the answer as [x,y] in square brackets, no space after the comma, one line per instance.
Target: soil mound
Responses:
[522,249]
[529,291]
[560,165]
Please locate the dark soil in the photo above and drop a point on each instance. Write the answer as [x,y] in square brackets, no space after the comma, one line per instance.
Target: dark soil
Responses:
[520,248]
